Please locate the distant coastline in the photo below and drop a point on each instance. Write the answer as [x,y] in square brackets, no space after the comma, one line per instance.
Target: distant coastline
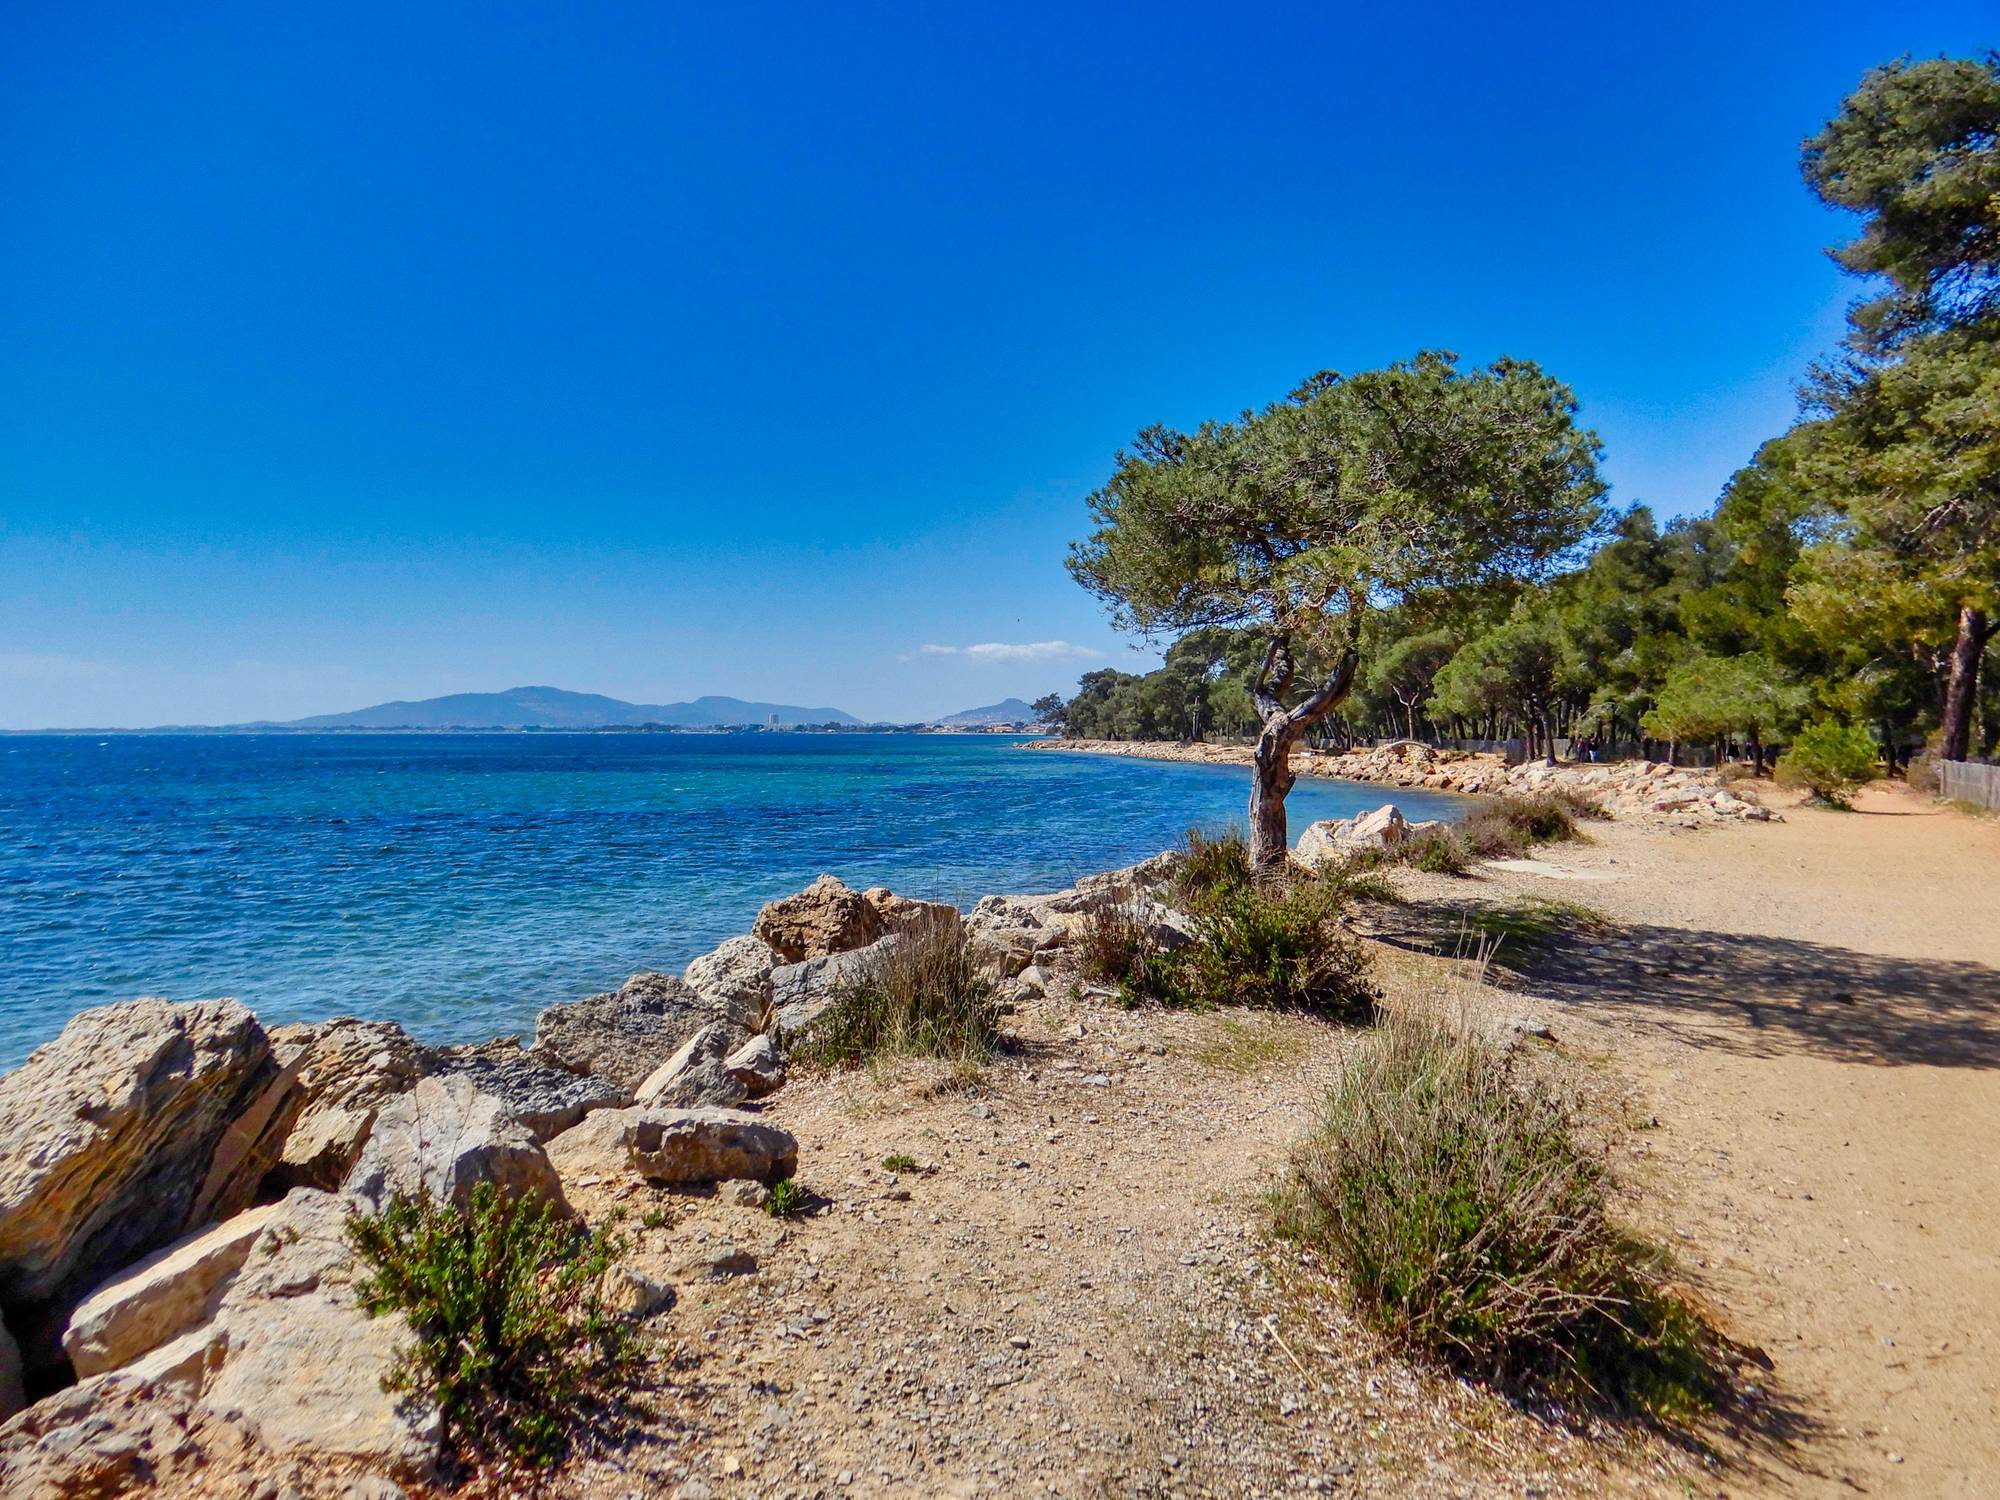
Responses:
[249,730]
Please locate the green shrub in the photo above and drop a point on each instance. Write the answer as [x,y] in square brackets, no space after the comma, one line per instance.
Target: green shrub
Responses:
[901,1161]
[928,996]
[1470,1225]
[504,1301]
[1274,942]
[1829,759]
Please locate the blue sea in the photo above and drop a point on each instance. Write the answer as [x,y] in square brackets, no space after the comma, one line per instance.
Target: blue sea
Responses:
[459,883]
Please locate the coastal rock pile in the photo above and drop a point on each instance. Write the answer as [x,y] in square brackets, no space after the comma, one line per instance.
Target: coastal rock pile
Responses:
[1648,790]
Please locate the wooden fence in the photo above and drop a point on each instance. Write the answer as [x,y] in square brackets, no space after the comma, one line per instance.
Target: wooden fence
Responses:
[1969,781]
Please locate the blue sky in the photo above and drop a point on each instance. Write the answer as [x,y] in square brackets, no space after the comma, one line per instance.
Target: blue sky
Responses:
[373,351]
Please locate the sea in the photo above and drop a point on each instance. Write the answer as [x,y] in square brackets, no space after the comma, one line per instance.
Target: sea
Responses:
[458,883]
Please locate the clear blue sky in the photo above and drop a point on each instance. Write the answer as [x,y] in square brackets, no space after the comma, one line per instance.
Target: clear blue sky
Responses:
[368,351]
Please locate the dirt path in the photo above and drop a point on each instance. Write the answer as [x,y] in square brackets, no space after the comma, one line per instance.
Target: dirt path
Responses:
[1814,1009]
[1070,1294]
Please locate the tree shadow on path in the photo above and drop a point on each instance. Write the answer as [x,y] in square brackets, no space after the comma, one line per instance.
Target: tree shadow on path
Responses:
[1753,995]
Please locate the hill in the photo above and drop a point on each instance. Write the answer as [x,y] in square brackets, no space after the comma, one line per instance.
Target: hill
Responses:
[1006,711]
[554,708]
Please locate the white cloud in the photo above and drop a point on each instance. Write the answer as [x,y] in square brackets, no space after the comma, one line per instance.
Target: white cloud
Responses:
[1015,651]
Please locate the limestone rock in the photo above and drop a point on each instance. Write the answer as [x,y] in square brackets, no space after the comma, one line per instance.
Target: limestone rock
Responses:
[710,1145]
[826,917]
[348,1069]
[1011,930]
[305,1363]
[677,1147]
[698,1073]
[799,992]
[739,973]
[1333,839]
[546,1099]
[138,1122]
[600,1147]
[123,1435]
[153,1303]
[626,1034]
[633,1294]
[444,1138]
[758,1065]
[907,913]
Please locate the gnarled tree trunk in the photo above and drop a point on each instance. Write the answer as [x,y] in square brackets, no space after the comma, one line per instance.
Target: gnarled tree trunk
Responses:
[1271,775]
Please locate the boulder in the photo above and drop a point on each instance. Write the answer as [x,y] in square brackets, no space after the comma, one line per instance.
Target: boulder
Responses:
[758,1065]
[698,1073]
[304,1362]
[678,1147]
[347,1069]
[1009,931]
[546,1099]
[626,1034]
[826,917]
[153,1303]
[140,1121]
[738,973]
[906,913]
[444,1138]
[799,992]
[1333,839]
[257,1322]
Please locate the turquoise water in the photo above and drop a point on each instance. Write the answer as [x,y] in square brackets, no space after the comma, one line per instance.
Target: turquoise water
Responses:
[458,883]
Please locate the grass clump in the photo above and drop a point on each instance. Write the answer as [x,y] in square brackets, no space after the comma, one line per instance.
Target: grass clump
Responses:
[1508,826]
[1530,925]
[1273,942]
[900,1161]
[787,1201]
[1470,1224]
[512,1341]
[1114,947]
[927,996]
[1241,1047]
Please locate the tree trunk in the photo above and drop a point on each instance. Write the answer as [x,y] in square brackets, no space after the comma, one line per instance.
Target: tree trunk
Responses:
[1270,780]
[1756,752]
[1962,683]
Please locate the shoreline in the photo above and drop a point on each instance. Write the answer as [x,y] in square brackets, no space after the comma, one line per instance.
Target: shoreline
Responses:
[1682,796]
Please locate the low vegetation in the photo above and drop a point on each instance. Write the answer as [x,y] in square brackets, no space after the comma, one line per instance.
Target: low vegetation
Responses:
[929,996]
[787,1201]
[1521,929]
[1270,941]
[1498,828]
[1831,760]
[1469,1223]
[511,1338]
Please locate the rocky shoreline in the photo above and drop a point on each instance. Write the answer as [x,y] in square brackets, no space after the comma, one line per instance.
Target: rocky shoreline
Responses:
[178,1304]
[1678,795]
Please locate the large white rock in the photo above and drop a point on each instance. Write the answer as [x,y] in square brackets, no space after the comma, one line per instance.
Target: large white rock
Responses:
[140,1121]
[738,973]
[443,1139]
[1332,840]
[155,1302]
[826,917]
[698,1073]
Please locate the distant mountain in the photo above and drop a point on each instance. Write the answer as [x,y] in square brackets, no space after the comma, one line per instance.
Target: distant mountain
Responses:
[1006,711]
[552,708]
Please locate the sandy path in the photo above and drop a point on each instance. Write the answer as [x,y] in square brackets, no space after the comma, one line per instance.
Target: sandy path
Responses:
[1072,1295]
[1814,1010]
